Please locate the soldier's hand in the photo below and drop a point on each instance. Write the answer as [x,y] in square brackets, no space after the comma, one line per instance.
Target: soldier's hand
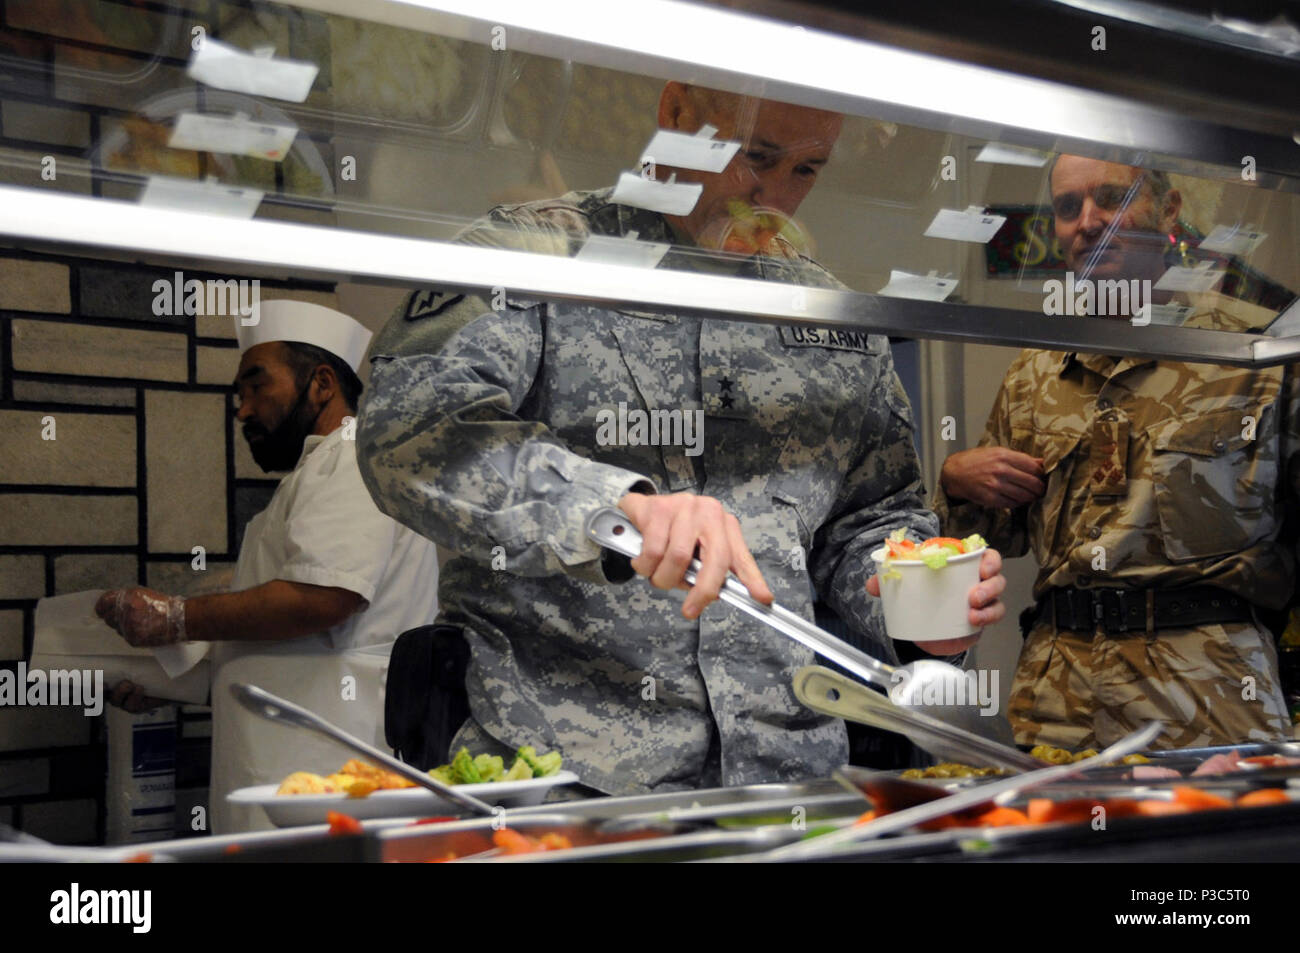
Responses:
[130,697]
[993,477]
[144,617]
[672,528]
[985,606]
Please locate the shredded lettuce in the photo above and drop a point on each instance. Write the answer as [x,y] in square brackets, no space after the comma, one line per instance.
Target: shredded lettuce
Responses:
[934,555]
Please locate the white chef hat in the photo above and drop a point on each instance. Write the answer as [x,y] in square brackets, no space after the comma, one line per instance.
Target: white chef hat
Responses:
[304,323]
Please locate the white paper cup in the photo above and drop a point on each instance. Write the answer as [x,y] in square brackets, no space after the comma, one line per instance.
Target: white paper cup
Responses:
[927,605]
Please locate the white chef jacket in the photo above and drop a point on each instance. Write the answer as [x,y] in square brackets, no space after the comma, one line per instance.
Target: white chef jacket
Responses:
[321,528]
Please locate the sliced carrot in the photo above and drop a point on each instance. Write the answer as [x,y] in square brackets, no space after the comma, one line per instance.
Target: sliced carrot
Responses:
[869,816]
[553,841]
[1199,800]
[342,824]
[1262,797]
[1002,817]
[1039,810]
[1153,808]
[1071,812]
[1120,807]
[513,842]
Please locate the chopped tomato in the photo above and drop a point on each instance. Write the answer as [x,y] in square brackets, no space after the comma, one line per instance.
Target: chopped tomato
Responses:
[1271,761]
[946,541]
[342,824]
[143,857]
[1262,797]
[232,849]
[432,820]
[902,549]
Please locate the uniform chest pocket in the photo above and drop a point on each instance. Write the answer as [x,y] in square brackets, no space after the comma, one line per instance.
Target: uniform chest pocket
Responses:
[1214,477]
[1057,449]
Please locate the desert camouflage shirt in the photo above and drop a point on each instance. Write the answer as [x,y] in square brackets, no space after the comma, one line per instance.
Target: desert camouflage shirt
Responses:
[482,429]
[1159,474]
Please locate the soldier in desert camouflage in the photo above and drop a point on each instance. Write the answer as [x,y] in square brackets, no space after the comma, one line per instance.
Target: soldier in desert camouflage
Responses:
[1150,494]
[480,429]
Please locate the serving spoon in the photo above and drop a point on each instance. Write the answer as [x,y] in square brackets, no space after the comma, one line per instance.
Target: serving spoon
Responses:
[273,708]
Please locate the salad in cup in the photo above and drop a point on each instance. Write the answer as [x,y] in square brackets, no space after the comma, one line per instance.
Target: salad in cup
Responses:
[925,587]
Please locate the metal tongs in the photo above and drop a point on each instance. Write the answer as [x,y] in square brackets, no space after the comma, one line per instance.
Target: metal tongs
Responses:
[272,707]
[946,730]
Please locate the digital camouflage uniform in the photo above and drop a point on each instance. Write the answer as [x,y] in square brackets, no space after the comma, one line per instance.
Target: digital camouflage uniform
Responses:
[479,429]
[1159,475]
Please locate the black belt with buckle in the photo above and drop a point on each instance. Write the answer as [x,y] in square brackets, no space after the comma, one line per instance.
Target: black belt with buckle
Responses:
[1120,611]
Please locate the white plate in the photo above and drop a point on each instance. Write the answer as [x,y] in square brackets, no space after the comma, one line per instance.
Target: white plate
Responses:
[295,810]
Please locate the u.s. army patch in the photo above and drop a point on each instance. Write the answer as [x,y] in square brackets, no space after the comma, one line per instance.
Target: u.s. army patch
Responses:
[428,303]
[843,339]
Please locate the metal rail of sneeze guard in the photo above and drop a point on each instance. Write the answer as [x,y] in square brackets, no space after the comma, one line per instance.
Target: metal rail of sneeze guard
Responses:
[284,249]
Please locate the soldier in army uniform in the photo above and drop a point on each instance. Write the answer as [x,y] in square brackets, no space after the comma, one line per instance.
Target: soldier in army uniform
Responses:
[1150,494]
[480,430]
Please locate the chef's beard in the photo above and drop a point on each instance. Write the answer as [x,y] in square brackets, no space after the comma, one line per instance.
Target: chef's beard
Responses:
[279,449]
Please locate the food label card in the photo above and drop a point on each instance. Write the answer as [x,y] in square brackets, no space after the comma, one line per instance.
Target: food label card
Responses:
[211,198]
[1196,280]
[227,67]
[666,198]
[971,225]
[683,151]
[622,251]
[234,135]
[903,284]
[1233,240]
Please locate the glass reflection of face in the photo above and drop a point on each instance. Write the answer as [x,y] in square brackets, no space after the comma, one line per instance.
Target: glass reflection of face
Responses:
[1107,228]
[783,149]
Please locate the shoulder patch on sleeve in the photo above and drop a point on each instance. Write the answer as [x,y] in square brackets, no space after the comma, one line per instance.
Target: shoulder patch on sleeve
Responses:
[429,303]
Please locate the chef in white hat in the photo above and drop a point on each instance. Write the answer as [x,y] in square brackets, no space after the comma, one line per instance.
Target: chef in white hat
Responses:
[324,582]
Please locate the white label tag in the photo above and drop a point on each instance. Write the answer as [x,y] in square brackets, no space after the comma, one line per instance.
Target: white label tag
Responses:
[236,136]
[212,198]
[681,151]
[622,251]
[227,67]
[667,198]
[971,225]
[1199,279]
[1232,240]
[1011,155]
[1171,314]
[903,284]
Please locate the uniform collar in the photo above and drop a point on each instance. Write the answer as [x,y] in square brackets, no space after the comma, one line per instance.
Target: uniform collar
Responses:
[312,442]
[1105,365]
